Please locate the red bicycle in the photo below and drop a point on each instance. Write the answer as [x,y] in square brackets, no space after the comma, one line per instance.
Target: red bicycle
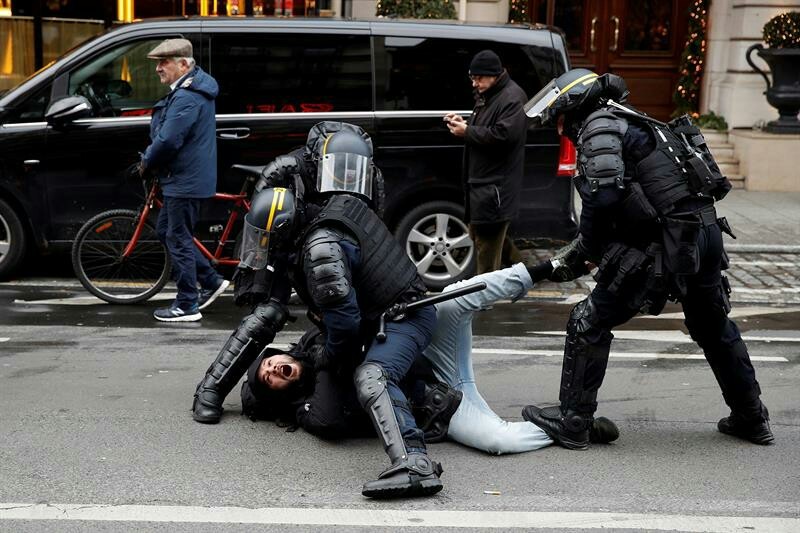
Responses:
[118,257]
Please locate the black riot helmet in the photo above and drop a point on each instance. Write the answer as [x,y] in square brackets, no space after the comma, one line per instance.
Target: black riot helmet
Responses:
[270,227]
[572,91]
[344,162]
[575,94]
[345,165]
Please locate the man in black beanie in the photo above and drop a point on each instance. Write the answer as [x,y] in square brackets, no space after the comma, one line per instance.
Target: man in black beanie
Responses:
[494,158]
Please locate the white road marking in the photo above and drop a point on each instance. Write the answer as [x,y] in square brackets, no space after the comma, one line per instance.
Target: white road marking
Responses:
[396,518]
[736,312]
[673,336]
[621,355]
[778,290]
[89,300]
[763,263]
[4,339]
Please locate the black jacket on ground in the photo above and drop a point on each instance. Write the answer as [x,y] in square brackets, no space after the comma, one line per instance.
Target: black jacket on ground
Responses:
[494,153]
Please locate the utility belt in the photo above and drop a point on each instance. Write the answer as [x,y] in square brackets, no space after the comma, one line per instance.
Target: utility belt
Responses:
[647,278]
[636,277]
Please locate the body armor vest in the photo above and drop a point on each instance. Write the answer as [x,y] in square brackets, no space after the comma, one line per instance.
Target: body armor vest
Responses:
[680,167]
[386,272]
[661,174]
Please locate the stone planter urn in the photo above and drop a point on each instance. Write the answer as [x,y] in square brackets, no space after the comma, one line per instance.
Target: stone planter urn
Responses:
[782,35]
[784,91]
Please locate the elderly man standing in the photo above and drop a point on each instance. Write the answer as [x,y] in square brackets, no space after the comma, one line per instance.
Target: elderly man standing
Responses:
[494,157]
[183,155]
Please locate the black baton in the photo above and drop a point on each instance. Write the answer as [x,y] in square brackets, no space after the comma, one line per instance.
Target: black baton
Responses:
[403,308]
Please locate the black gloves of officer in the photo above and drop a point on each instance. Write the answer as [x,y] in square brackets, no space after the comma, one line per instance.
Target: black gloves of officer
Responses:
[540,271]
[569,263]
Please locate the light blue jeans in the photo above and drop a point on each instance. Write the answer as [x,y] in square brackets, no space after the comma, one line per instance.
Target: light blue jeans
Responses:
[450,352]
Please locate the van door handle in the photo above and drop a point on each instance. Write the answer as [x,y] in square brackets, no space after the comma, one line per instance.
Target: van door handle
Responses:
[233,133]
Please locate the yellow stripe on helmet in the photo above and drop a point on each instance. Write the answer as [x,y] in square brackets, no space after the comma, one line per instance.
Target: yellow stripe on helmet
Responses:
[586,79]
[325,146]
[277,205]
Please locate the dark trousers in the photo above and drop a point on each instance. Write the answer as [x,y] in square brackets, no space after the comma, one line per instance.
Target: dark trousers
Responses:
[493,246]
[405,340]
[175,228]
[704,308]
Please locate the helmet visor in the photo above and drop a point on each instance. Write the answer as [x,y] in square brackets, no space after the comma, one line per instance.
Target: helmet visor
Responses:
[537,105]
[255,246]
[343,172]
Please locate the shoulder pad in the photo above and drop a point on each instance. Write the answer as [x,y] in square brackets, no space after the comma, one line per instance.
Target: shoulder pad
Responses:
[603,121]
[600,149]
[327,275]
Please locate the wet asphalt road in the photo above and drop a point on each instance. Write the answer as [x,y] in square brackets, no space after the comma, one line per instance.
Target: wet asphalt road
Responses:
[96,398]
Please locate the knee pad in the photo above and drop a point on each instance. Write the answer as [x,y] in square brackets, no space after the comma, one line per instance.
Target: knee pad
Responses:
[265,321]
[434,413]
[370,381]
[582,324]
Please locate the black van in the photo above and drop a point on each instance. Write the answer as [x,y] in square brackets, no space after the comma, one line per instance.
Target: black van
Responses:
[278,78]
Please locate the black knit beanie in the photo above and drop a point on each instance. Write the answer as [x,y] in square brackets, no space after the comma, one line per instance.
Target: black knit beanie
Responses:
[485,63]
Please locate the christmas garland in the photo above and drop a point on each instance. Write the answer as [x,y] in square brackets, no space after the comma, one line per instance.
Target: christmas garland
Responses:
[518,11]
[687,92]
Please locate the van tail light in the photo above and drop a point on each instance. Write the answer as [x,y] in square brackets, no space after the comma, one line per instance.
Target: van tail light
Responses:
[567,158]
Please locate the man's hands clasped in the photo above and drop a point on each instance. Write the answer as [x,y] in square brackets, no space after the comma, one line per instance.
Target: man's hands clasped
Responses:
[456,124]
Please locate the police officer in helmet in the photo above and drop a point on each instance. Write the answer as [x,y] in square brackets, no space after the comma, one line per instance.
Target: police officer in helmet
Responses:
[327,146]
[348,269]
[648,221]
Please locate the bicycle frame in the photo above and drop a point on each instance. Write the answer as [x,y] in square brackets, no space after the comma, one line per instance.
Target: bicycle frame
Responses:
[239,200]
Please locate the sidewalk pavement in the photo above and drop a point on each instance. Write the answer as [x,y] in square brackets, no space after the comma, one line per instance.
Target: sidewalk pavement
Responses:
[762,221]
[765,257]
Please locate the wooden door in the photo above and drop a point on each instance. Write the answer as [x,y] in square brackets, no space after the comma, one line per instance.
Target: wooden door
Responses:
[640,40]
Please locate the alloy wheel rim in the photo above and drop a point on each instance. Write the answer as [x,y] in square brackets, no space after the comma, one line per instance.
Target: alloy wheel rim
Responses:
[5,239]
[440,247]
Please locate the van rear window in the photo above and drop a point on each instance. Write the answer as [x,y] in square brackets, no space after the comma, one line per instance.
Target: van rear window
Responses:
[419,74]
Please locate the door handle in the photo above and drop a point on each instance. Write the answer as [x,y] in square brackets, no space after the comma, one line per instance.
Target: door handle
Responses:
[613,47]
[592,33]
[31,162]
[233,133]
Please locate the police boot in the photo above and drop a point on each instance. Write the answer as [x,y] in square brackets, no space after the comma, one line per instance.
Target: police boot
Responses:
[411,473]
[222,376]
[570,429]
[235,358]
[602,430]
[752,425]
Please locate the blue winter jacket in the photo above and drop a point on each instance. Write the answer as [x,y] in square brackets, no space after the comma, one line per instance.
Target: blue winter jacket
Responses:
[183,147]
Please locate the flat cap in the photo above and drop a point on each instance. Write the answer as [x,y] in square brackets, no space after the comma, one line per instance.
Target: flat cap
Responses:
[171,48]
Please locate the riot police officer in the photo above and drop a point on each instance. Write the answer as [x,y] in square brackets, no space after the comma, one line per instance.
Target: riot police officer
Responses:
[348,269]
[649,223]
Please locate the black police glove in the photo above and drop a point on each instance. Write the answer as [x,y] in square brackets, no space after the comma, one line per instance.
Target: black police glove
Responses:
[569,263]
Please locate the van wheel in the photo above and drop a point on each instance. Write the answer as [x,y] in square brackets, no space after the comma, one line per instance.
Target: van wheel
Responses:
[12,240]
[437,241]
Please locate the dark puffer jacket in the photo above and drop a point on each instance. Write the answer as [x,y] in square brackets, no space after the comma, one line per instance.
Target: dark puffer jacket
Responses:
[183,147]
[494,155]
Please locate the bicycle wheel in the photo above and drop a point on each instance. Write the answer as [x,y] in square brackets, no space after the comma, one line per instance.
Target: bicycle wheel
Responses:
[101,269]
